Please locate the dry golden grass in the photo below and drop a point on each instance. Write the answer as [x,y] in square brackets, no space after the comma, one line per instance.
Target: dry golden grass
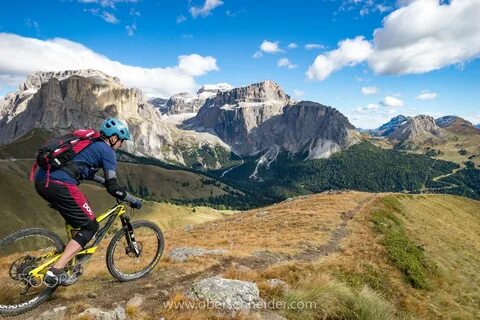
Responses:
[458,141]
[447,227]
[287,228]
[357,275]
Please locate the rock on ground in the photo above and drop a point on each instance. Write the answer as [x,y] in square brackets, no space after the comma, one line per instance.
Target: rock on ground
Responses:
[136,302]
[182,254]
[226,293]
[57,313]
[97,314]
[277,283]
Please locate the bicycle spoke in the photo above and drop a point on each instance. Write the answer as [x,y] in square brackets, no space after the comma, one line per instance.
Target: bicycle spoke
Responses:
[128,261]
[125,258]
[18,257]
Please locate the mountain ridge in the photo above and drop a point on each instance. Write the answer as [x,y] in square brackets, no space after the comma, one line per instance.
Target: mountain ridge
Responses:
[83,98]
[261,117]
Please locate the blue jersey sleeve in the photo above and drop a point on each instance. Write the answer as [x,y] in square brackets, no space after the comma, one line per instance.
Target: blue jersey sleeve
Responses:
[109,163]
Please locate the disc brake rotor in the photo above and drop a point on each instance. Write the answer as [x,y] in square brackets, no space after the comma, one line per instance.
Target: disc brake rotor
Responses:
[130,251]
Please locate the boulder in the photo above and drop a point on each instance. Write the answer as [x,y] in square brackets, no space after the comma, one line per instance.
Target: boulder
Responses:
[227,294]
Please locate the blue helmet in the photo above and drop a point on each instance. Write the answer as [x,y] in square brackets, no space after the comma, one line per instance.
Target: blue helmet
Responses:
[113,126]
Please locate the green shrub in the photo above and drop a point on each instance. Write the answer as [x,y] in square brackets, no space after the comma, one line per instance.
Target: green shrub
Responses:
[402,251]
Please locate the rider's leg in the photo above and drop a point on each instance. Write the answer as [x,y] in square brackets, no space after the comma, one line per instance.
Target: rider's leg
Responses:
[75,209]
[78,242]
[70,251]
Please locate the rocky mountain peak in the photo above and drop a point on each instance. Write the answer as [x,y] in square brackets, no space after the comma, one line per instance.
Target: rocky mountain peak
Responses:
[395,121]
[417,130]
[214,88]
[185,102]
[446,121]
[35,80]
[265,91]
[457,124]
[84,102]
[390,126]
[262,118]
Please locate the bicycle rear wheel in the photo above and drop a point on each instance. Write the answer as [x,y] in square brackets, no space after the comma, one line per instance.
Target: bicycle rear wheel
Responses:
[127,263]
[20,253]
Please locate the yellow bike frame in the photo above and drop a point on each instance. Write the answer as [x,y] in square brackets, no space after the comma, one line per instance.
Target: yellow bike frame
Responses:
[110,215]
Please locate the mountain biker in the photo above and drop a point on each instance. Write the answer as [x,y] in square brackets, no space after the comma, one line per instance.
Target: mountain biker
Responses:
[64,195]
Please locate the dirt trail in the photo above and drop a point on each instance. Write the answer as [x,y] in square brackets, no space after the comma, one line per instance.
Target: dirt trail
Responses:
[333,245]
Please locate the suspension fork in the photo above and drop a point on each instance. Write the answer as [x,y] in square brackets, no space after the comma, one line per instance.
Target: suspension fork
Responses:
[129,235]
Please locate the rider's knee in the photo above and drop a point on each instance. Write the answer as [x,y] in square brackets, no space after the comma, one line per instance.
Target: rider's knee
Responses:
[92,226]
[86,233]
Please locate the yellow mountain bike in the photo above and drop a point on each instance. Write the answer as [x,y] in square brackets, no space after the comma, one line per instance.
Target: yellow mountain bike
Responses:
[26,255]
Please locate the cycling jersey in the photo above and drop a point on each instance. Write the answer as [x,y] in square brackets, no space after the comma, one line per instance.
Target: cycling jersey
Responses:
[97,155]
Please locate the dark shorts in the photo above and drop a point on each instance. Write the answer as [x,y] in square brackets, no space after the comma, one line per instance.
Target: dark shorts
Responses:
[68,200]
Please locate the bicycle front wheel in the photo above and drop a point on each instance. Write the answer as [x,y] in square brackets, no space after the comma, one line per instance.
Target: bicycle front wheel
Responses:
[129,260]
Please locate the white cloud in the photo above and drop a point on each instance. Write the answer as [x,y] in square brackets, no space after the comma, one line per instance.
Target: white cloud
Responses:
[392,102]
[270,47]
[369,117]
[311,46]
[475,119]
[366,91]
[108,3]
[402,3]
[349,53]
[257,55]
[426,95]
[131,29]
[364,11]
[374,115]
[181,18]
[292,45]
[382,8]
[298,93]
[204,11]
[364,6]
[420,36]
[425,36]
[20,56]
[134,12]
[12,80]
[109,17]
[284,62]
[369,107]
[32,24]
[195,65]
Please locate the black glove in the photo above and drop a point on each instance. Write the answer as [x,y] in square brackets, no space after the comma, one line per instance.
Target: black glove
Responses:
[136,203]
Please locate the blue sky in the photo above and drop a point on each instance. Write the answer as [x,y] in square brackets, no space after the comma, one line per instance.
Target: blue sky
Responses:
[219,39]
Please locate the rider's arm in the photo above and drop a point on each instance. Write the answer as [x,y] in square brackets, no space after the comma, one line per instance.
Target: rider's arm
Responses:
[109,169]
[119,192]
[98,179]
[113,187]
